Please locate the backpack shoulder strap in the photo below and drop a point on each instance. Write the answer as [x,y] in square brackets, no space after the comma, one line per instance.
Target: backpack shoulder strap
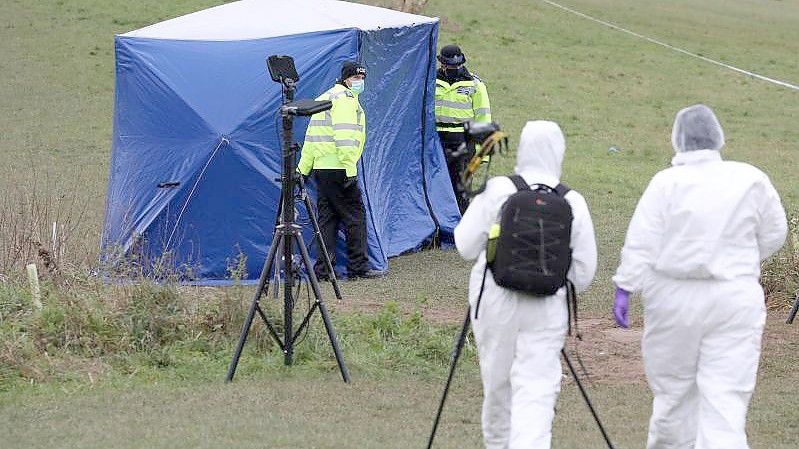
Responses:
[519,182]
[562,189]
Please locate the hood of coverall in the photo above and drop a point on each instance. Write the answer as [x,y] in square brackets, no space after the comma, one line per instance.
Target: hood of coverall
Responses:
[541,150]
[696,128]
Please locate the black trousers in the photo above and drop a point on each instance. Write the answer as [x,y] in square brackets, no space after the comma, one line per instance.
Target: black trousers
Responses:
[456,164]
[339,202]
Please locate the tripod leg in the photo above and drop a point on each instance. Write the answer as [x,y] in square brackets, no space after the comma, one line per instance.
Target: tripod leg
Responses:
[322,246]
[585,396]
[262,281]
[288,299]
[456,354]
[794,309]
[345,375]
[278,255]
[276,273]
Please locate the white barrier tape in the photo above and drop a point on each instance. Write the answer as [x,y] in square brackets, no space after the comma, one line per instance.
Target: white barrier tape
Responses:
[671,47]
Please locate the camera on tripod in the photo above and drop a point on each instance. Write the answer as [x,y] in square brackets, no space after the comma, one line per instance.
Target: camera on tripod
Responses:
[474,134]
[288,255]
[282,70]
[477,132]
[482,140]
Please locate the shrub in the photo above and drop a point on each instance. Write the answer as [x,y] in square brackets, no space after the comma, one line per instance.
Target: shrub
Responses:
[780,274]
[42,223]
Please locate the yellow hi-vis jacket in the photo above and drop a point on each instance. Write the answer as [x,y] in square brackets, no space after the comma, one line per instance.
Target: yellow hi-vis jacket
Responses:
[459,102]
[335,138]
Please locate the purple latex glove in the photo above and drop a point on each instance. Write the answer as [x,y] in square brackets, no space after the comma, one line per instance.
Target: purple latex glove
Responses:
[621,304]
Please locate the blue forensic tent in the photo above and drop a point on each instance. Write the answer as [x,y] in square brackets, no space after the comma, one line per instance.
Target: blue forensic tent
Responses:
[196,151]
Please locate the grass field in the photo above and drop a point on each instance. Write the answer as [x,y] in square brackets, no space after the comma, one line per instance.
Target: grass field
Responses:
[604,87]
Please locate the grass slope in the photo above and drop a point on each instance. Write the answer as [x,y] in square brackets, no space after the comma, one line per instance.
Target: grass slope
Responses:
[605,88]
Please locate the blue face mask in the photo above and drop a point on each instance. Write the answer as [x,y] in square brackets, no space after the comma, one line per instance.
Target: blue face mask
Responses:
[358,86]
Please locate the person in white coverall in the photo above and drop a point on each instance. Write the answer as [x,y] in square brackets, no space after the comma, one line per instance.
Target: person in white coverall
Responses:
[518,336]
[693,249]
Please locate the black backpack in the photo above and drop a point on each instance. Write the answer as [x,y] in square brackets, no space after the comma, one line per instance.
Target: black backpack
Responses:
[532,253]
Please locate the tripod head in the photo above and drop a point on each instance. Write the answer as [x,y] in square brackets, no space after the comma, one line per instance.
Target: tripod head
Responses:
[282,70]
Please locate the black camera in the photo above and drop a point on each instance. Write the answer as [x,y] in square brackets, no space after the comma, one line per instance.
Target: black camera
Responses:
[477,132]
[482,140]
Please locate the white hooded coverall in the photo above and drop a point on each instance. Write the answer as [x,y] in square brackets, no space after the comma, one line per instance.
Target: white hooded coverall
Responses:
[694,248]
[518,336]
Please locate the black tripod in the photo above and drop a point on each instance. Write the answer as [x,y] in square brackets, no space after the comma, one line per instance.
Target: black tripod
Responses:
[456,354]
[288,235]
[794,309]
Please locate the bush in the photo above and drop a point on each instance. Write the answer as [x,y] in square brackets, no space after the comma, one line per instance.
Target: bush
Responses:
[43,223]
[90,322]
[85,329]
[393,340]
[780,274]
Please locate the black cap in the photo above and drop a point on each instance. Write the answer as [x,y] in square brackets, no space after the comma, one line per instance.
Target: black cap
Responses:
[352,68]
[451,55]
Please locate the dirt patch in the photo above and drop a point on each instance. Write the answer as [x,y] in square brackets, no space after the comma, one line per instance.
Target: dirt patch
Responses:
[780,340]
[610,355]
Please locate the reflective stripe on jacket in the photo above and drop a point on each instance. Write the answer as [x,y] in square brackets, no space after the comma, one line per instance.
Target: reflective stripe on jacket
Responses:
[335,138]
[459,102]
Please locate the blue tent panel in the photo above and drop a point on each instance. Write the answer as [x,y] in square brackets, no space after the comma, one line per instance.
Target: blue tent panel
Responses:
[400,131]
[196,155]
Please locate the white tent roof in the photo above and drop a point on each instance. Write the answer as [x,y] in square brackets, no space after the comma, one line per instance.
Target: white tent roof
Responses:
[256,19]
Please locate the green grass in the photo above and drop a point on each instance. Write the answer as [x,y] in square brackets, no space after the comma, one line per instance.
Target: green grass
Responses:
[605,88]
[188,407]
